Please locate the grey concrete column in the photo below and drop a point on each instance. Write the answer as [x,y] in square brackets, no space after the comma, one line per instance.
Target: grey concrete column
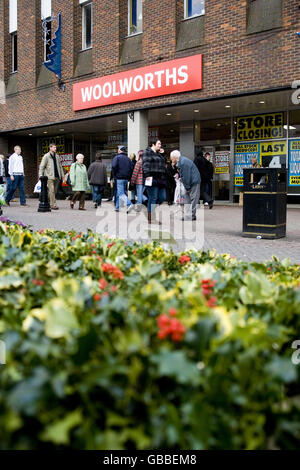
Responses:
[137,128]
[186,139]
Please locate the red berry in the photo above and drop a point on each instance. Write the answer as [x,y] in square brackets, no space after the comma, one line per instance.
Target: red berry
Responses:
[97,297]
[163,321]
[172,311]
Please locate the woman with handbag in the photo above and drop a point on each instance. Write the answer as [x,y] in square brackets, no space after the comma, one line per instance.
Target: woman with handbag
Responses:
[132,186]
[79,182]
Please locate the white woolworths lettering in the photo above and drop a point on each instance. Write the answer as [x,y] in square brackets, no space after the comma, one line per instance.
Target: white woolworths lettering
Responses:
[135,87]
[149,81]
[159,73]
[115,93]
[97,92]
[86,94]
[182,72]
[107,90]
[171,75]
[125,86]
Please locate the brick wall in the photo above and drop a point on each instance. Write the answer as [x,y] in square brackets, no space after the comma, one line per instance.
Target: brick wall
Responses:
[234,62]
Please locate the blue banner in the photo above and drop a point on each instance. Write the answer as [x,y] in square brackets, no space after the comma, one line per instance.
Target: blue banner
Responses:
[53,62]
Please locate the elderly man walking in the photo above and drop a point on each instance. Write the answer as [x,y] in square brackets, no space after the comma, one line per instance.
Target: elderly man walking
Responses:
[52,168]
[191,181]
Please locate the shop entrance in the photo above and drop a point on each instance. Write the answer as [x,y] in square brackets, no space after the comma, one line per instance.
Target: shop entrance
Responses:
[220,158]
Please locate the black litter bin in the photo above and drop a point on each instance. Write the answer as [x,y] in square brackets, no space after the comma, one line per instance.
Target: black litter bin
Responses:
[264,208]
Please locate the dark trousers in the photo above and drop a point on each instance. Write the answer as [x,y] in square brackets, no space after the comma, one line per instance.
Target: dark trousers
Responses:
[170,189]
[155,196]
[97,190]
[17,183]
[203,194]
[79,195]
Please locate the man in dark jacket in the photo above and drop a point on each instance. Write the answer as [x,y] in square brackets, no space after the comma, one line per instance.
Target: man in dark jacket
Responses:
[97,175]
[122,168]
[190,178]
[210,174]
[203,167]
[154,170]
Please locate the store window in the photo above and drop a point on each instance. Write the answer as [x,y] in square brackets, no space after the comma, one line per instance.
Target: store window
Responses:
[46,22]
[135,16]
[212,130]
[194,8]
[87,24]
[294,125]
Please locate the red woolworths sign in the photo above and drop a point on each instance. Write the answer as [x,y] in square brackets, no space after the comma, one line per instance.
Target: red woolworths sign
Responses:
[175,76]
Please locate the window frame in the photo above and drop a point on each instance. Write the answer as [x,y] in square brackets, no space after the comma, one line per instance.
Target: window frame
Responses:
[84,6]
[14,51]
[129,18]
[186,17]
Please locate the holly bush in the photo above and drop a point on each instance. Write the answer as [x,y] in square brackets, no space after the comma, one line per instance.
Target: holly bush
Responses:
[116,345]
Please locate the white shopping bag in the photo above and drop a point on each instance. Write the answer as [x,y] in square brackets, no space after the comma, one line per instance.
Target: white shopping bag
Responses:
[179,193]
[38,186]
[2,193]
[149,181]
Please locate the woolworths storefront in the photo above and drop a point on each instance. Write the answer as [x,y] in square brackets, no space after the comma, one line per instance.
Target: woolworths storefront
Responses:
[274,139]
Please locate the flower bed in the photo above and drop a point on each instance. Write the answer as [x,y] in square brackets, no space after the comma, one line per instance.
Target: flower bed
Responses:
[121,346]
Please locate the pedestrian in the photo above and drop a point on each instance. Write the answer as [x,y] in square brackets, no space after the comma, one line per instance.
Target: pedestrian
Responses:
[2,183]
[122,167]
[79,182]
[52,168]
[171,171]
[7,177]
[63,184]
[154,170]
[113,187]
[191,181]
[16,174]
[203,168]
[255,163]
[210,175]
[137,180]
[97,175]
[132,187]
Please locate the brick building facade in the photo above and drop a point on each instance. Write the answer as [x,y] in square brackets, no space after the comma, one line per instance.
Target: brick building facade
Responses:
[251,57]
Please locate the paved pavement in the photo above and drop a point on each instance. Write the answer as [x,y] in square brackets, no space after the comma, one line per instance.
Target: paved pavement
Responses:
[219,228]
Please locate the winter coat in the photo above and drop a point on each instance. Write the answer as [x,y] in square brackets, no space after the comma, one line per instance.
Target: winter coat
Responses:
[210,170]
[189,173]
[203,168]
[79,177]
[154,164]
[97,173]
[137,175]
[47,167]
[122,167]
[170,173]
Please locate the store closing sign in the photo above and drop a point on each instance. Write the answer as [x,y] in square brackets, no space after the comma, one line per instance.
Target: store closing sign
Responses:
[175,76]
[294,162]
[263,126]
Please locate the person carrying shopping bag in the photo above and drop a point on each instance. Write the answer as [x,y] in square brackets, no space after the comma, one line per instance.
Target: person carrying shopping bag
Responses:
[137,180]
[79,182]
